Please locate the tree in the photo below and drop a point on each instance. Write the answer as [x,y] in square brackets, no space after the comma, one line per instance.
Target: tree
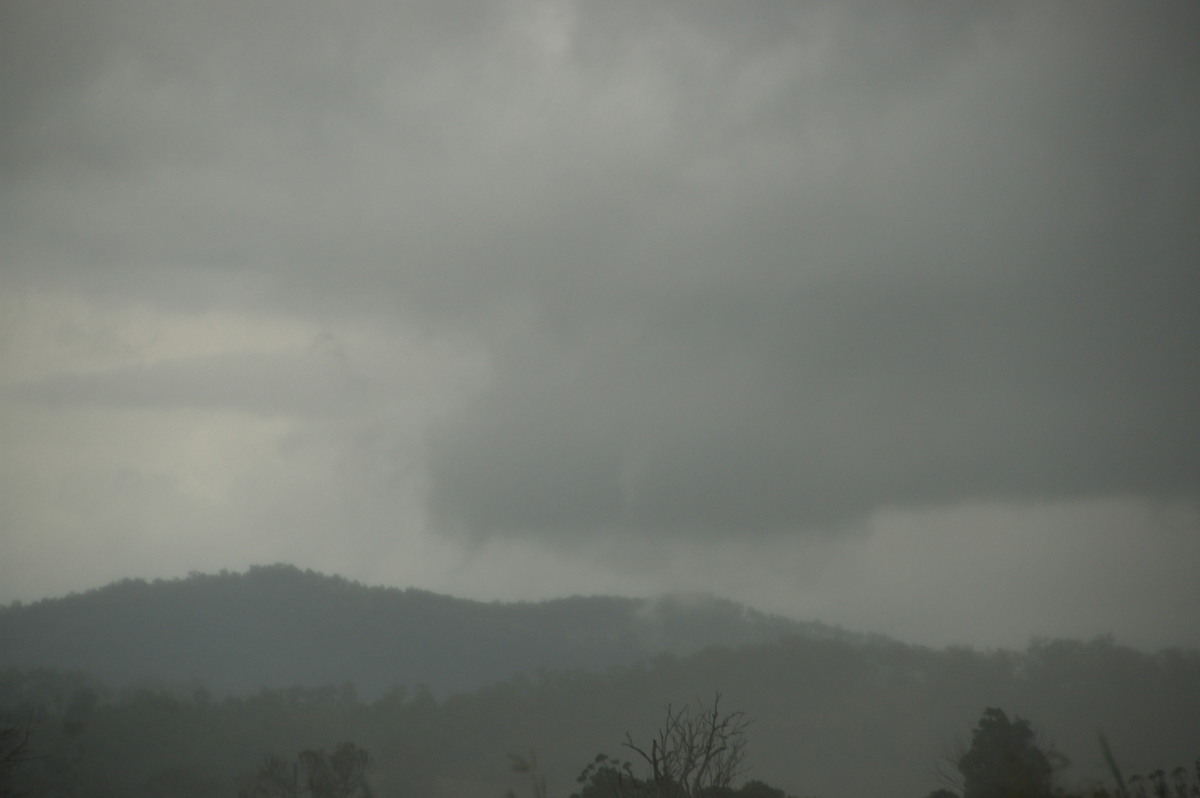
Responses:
[14,753]
[1005,760]
[276,778]
[314,774]
[759,789]
[605,777]
[342,774]
[697,753]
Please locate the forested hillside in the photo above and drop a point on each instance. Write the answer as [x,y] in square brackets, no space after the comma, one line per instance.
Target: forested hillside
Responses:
[279,626]
[829,718]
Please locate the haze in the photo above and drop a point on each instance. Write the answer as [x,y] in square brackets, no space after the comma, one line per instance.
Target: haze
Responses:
[877,314]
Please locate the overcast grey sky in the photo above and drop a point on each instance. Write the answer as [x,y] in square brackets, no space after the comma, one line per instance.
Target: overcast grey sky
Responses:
[884,314]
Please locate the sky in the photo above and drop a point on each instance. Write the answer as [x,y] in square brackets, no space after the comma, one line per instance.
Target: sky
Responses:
[877,314]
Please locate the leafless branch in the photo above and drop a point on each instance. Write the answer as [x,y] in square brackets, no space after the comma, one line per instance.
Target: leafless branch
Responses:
[697,748]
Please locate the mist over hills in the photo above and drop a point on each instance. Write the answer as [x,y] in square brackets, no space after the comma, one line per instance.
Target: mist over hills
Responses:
[444,688]
[279,626]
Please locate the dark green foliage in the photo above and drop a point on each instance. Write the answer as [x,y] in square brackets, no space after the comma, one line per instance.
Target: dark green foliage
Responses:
[1005,760]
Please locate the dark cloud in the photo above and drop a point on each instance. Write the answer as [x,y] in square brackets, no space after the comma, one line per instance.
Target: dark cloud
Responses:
[979,289]
[733,273]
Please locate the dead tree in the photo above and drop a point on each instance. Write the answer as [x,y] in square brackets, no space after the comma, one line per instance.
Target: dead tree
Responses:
[314,774]
[696,750]
[14,753]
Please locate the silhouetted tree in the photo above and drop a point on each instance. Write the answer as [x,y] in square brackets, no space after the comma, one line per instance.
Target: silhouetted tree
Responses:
[314,774]
[342,774]
[14,753]
[697,753]
[695,750]
[1005,760]
[276,778]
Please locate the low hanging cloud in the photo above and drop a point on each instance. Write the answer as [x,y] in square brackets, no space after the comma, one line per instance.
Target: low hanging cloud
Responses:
[729,273]
[974,281]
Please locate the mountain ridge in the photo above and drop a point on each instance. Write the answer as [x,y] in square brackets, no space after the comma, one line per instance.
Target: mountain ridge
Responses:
[307,660]
[277,625]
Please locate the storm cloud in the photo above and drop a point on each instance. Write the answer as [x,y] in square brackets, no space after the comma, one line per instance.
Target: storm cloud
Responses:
[596,276]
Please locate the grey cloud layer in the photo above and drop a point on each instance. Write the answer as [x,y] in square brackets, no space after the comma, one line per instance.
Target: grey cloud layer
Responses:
[735,271]
[306,384]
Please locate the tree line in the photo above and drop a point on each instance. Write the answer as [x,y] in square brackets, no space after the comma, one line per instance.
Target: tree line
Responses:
[830,718]
[698,751]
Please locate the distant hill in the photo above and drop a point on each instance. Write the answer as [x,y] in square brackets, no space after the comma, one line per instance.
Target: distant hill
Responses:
[279,626]
[829,717]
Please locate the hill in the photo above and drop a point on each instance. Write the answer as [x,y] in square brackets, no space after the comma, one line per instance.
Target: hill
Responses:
[278,626]
[829,718]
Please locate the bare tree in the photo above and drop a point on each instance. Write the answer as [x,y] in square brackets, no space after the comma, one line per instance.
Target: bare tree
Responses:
[696,750]
[342,774]
[276,778]
[14,752]
[314,774]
